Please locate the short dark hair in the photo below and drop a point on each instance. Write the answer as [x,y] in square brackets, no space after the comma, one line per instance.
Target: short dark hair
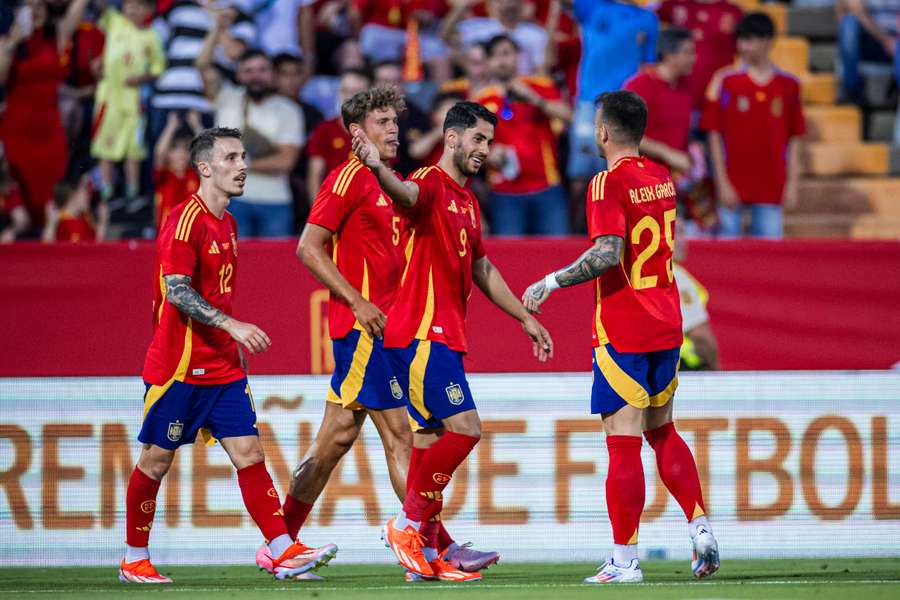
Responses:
[670,40]
[253,53]
[285,58]
[362,103]
[625,113]
[496,41]
[755,25]
[465,115]
[202,145]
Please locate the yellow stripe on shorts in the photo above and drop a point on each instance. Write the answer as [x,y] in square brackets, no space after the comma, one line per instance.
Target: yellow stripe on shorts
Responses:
[417,379]
[353,382]
[621,382]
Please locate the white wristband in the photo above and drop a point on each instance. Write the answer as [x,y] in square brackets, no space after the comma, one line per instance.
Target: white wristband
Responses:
[550,282]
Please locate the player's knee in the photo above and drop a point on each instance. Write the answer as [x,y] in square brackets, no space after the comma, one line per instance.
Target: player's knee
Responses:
[155,461]
[343,440]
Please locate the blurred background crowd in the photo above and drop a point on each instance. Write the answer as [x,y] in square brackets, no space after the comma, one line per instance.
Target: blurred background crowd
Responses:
[759,110]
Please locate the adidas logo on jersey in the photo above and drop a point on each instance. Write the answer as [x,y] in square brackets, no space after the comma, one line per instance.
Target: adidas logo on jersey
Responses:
[452,208]
[214,248]
[382,201]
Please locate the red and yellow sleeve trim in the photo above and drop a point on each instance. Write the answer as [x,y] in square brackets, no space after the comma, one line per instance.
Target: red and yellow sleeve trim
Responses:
[421,173]
[598,186]
[187,218]
[345,177]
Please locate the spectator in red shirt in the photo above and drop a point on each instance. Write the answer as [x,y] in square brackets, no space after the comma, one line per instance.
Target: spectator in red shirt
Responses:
[713,24]
[526,197]
[754,117]
[329,142]
[69,217]
[173,177]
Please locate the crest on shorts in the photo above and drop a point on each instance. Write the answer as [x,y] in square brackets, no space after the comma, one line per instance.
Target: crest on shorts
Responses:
[455,394]
[175,431]
[396,390]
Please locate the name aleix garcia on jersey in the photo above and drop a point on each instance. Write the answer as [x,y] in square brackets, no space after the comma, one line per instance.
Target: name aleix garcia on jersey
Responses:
[651,193]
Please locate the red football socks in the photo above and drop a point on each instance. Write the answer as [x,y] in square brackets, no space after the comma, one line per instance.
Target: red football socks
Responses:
[677,469]
[140,506]
[415,461]
[295,514]
[444,539]
[261,500]
[434,473]
[625,487]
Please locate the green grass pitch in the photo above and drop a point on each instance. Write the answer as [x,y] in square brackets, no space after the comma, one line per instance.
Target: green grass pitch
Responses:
[819,579]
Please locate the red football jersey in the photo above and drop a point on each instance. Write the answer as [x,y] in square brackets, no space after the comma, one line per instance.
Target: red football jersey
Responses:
[194,242]
[442,239]
[756,123]
[528,130]
[171,190]
[75,229]
[668,108]
[366,239]
[713,24]
[331,141]
[638,308]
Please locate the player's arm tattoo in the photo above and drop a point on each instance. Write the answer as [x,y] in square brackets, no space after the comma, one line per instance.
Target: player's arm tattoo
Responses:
[185,298]
[605,253]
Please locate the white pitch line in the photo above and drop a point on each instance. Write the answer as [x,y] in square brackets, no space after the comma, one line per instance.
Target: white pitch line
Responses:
[471,586]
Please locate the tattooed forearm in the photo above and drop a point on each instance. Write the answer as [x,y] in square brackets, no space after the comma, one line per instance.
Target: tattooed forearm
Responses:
[182,296]
[602,255]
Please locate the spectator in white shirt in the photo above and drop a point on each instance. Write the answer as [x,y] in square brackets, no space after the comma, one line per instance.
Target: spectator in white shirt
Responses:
[273,132]
[505,17]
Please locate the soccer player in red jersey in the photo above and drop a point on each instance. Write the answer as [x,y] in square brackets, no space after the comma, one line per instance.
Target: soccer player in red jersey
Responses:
[351,244]
[195,372]
[637,334]
[754,116]
[425,330]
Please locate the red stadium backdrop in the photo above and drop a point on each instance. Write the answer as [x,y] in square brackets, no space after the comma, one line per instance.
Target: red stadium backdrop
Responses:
[86,310]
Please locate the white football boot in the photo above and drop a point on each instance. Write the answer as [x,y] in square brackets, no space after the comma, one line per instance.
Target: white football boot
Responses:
[613,573]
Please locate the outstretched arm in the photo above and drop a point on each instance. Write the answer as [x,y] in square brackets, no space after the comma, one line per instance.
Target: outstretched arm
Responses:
[605,253]
[185,298]
[491,282]
[404,193]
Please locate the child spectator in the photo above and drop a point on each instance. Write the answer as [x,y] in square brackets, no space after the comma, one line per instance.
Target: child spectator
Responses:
[132,56]
[173,177]
[69,217]
[754,117]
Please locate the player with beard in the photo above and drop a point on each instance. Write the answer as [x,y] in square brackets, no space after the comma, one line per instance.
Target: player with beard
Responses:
[351,243]
[425,328]
[195,372]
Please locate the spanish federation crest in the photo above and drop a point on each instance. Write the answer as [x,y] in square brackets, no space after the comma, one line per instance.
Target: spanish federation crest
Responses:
[175,431]
[455,394]
[396,390]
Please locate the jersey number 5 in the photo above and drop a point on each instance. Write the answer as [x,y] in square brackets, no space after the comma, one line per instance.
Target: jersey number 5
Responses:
[638,281]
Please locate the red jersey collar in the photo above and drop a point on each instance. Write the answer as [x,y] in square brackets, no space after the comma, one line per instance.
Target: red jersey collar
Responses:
[452,181]
[625,159]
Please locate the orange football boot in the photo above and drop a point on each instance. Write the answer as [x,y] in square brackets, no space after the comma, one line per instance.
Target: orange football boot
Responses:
[407,547]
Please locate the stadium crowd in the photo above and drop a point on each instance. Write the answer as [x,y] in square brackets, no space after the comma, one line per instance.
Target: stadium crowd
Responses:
[102,97]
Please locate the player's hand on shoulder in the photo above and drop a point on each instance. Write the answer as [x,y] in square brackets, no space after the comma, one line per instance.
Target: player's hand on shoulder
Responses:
[542,343]
[370,317]
[365,150]
[535,295]
[249,335]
